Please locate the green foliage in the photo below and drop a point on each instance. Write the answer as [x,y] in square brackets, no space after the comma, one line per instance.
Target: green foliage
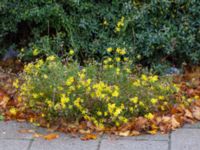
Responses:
[1,118]
[156,30]
[104,93]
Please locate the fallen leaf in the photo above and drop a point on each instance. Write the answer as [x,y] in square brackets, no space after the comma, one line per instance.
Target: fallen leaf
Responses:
[134,133]
[174,122]
[51,136]
[125,133]
[188,114]
[26,131]
[81,131]
[89,137]
[37,135]
[166,119]
[196,113]
[4,101]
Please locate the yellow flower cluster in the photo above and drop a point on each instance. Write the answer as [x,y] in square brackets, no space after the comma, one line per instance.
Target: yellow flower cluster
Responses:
[120,24]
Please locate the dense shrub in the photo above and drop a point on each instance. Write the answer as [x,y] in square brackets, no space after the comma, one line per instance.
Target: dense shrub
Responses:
[153,29]
[104,93]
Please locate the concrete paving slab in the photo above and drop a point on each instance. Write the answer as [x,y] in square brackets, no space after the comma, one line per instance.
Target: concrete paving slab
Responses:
[14,144]
[185,139]
[133,145]
[147,137]
[64,143]
[195,125]
[10,129]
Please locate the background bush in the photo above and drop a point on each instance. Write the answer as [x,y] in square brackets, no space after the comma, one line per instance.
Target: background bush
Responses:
[153,29]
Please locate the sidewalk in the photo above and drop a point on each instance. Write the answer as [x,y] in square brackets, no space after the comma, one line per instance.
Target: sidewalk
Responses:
[186,138]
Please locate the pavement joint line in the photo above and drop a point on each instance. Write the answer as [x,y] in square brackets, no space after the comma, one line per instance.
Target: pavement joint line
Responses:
[169,141]
[30,144]
[22,139]
[99,143]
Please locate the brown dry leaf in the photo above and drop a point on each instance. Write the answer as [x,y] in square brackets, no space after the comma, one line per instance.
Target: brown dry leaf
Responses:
[89,137]
[188,114]
[134,133]
[196,113]
[140,123]
[81,131]
[166,119]
[37,135]
[174,122]
[51,136]
[26,131]
[4,101]
[125,133]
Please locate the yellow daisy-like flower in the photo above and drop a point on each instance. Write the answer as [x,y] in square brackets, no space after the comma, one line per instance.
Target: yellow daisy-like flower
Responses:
[35,52]
[109,49]
[153,78]
[51,58]
[115,94]
[154,100]
[118,59]
[99,113]
[134,100]
[16,83]
[144,77]
[105,23]
[45,76]
[13,111]
[71,52]
[69,81]
[149,116]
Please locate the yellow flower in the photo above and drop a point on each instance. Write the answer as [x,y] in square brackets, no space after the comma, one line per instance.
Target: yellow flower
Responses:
[123,52]
[118,50]
[71,52]
[128,70]
[99,113]
[117,71]
[118,59]
[51,58]
[134,100]
[144,77]
[141,103]
[117,112]
[64,100]
[69,81]
[105,23]
[136,83]
[16,83]
[35,52]
[105,113]
[115,94]
[45,76]
[154,100]
[13,111]
[49,103]
[149,116]
[196,97]
[153,78]
[35,95]
[161,97]
[109,49]
[111,107]
[117,29]
[125,58]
